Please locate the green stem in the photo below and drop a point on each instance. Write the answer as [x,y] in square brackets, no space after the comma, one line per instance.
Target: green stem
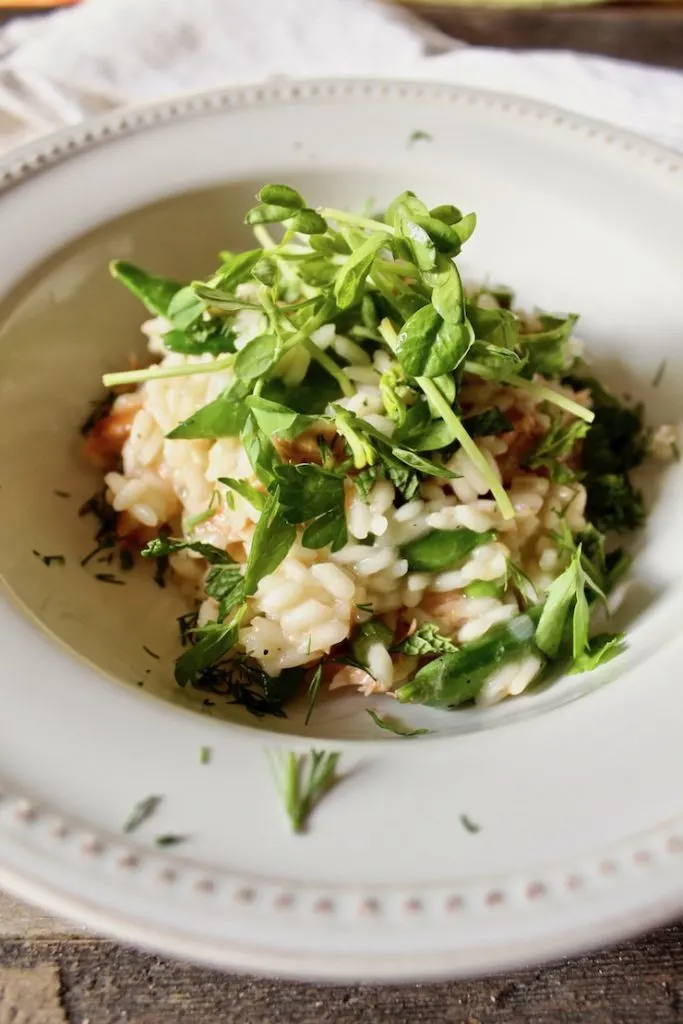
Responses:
[550,395]
[112,380]
[475,456]
[343,217]
[347,386]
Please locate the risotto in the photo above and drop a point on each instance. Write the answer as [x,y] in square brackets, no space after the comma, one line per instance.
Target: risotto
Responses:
[365,474]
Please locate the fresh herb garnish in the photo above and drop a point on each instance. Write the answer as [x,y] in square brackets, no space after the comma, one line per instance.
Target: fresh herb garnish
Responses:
[143,810]
[109,577]
[419,136]
[152,654]
[205,754]
[313,691]
[169,839]
[50,559]
[303,780]
[659,374]
[390,725]
[62,494]
[469,825]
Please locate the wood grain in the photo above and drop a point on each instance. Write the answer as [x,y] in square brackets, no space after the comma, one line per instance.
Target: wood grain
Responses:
[103,983]
[649,33]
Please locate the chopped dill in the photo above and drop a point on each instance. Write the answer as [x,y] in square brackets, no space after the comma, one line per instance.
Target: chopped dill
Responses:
[469,825]
[170,840]
[143,810]
[205,755]
[50,559]
[109,577]
[152,654]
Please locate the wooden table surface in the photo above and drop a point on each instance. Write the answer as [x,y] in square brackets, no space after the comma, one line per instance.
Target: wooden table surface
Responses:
[51,973]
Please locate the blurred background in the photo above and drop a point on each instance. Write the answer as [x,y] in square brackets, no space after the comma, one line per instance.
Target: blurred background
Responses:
[642,30]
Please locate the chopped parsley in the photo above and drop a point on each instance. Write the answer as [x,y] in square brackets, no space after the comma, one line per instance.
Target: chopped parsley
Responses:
[142,811]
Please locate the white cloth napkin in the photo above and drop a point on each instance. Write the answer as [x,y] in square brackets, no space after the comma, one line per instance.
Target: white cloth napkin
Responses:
[64,66]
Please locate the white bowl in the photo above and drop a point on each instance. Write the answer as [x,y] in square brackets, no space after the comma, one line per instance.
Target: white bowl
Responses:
[580,810]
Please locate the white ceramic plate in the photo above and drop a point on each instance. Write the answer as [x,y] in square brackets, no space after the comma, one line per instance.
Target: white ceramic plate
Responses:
[580,809]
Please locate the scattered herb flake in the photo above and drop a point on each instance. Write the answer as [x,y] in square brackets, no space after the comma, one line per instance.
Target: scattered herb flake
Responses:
[469,825]
[659,374]
[419,136]
[62,494]
[313,691]
[152,654]
[143,810]
[109,577]
[50,559]
[170,840]
[205,753]
[390,725]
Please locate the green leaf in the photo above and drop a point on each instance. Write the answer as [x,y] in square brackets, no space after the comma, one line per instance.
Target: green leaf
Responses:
[277,420]
[427,640]
[224,417]
[308,222]
[154,292]
[328,528]
[255,497]
[267,213]
[204,338]
[445,237]
[423,465]
[497,327]
[217,641]
[447,213]
[454,679]
[354,271]
[331,243]
[546,349]
[580,622]
[601,649]
[260,450]
[404,213]
[307,491]
[219,298]
[391,725]
[265,271]
[184,309]
[562,594]
[556,446]
[443,549]
[281,195]
[257,357]
[421,432]
[273,537]
[428,346]
[487,424]
[224,584]
[162,546]
[447,291]
[464,228]
[237,269]
[484,588]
